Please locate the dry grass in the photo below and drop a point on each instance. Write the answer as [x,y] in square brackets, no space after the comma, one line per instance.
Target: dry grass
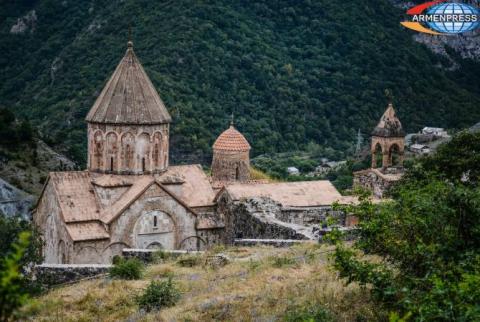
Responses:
[261,283]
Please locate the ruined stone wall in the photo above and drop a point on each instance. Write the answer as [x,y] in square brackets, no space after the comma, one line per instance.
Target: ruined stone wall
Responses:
[128,149]
[54,274]
[310,215]
[369,180]
[230,166]
[58,246]
[255,218]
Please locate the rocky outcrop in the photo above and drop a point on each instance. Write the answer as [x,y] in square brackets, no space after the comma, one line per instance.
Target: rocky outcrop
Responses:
[13,201]
[26,23]
[28,167]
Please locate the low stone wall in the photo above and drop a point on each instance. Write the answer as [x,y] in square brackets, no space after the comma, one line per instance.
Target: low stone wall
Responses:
[146,255]
[269,242]
[310,216]
[55,274]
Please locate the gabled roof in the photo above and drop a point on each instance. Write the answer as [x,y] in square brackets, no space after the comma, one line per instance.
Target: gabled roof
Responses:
[389,125]
[288,194]
[129,96]
[231,140]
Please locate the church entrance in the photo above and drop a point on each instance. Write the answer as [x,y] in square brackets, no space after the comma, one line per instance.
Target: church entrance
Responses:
[155,230]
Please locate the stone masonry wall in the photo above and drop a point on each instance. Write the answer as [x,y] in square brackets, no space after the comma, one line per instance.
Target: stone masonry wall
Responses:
[54,274]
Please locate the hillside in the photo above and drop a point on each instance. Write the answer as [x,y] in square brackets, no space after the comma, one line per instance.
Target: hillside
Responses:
[260,284]
[292,72]
[25,162]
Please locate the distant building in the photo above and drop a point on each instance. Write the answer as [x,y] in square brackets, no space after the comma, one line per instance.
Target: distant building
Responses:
[293,171]
[437,131]
[420,149]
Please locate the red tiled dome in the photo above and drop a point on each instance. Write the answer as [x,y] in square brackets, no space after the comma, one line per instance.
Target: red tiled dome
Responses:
[231,140]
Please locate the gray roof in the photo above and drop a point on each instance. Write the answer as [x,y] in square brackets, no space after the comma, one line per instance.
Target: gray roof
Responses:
[389,125]
[129,96]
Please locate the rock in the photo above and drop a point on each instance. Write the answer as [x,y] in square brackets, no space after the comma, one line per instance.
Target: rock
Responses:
[217,260]
[29,21]
[13,201]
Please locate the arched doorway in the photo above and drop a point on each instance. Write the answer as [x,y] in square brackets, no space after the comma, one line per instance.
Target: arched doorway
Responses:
[155,229]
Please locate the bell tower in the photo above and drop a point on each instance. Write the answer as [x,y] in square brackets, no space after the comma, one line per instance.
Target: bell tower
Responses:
[388,141]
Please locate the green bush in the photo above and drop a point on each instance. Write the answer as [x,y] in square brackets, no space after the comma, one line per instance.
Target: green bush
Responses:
[12,293]
[282,261]
[159,294]
[313,313]
[160,256]
[189,260]
[127,269]
[428,236]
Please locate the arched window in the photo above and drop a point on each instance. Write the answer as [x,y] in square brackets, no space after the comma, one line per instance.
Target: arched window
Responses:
[157,149]
[98,150]
[394,156]
[128,141]
[112,151]
[143,151]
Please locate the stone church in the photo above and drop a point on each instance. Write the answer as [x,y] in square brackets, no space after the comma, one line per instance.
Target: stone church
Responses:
[130,197]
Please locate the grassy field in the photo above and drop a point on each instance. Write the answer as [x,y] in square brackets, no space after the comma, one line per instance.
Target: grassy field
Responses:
[259,284]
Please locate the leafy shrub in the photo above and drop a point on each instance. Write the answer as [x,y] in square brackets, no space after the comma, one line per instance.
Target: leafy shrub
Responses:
[160,256]
[127,269]
[428,236]
[159,294]
[281,261]
[189,260]
[314,313]
[12,294]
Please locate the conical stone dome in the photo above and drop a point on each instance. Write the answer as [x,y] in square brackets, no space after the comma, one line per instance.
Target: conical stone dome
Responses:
[129,96]
[389,125]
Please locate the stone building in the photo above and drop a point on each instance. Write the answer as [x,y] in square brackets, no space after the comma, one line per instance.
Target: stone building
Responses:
[130,197]
[387,151]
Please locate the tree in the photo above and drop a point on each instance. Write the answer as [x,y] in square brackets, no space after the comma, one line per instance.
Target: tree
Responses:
[427,237]
[12,294]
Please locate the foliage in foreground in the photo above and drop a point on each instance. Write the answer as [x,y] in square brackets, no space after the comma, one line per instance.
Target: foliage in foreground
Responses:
[12,294]
[159,294]
[428,238]
[127,269]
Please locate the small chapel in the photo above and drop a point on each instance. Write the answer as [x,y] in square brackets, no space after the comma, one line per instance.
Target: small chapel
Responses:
[131,197]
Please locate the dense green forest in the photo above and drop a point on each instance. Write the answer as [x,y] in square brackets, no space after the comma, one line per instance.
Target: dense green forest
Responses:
[293,72]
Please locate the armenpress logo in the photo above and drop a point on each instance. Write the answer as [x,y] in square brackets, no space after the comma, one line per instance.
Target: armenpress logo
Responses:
[443,18]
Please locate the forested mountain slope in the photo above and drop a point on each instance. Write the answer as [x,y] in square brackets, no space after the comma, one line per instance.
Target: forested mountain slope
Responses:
[292,72]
